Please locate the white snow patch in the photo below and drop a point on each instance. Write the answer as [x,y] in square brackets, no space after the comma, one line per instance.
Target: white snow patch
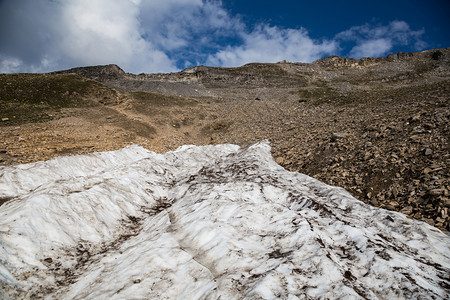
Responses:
[204,222]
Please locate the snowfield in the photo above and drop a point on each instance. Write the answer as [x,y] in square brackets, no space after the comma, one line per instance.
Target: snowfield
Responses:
[204,223]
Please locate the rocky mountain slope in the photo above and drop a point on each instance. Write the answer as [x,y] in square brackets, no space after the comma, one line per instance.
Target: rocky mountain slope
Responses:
[377,127]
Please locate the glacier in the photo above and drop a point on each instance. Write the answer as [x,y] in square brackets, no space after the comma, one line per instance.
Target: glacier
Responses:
[204,222]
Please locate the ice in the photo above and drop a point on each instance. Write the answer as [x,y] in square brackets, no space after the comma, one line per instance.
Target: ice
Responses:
[204,223]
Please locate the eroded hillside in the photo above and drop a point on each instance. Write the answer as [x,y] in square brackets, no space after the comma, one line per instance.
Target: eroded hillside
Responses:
[377,127]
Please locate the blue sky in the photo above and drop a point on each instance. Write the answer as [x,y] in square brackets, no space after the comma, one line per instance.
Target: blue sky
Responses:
[168,35]
[326,18]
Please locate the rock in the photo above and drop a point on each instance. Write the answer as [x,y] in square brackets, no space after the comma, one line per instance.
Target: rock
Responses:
[407,210]
[446,201]
[440,220]
[337,135]
[395,192]
[428,151]
[99,73]
[415,118]
[444,212]
[429,221]
[436,169]
[393,203]
[436,192]
[280,160]
[5,119]
[426,170]
[415,138]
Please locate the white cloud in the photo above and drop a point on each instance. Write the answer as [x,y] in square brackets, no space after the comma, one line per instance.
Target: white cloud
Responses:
[16,65]
[379,40]
[272,44]
[60,34]
[138,35]
[10,64]
[103,32]
[173,24]
[371,48]
[163,35]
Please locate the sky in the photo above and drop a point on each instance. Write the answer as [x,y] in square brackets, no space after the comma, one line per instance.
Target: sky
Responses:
[150,36]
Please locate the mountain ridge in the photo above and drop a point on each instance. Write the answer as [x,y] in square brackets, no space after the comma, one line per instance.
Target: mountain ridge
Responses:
[113,71]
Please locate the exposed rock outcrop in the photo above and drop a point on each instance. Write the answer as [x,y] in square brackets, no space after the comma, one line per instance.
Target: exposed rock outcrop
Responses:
[99,73]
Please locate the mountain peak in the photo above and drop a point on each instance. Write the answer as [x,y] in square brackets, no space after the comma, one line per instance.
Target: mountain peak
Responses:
[100,73]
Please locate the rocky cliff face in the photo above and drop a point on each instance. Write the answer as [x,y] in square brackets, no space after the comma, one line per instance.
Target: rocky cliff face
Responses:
[98,73]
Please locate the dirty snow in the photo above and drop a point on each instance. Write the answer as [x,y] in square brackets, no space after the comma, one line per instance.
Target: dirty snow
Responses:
[204,223]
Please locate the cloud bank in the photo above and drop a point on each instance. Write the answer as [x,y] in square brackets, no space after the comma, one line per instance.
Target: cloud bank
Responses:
[269,44]
[379,40]
[167,35]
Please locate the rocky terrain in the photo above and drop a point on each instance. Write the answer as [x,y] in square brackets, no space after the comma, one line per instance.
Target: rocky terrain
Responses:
[377,126]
